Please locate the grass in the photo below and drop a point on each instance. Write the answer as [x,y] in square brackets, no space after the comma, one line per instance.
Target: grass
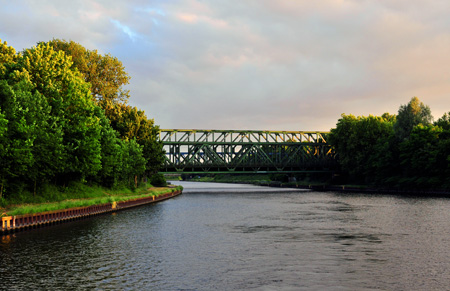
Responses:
[252,179]
[266,179]
[71,198]
[173,177]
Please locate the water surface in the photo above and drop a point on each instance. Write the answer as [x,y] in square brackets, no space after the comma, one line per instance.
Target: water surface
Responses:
[239,237]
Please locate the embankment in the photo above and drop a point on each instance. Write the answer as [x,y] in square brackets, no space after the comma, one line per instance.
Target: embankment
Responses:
[17,223]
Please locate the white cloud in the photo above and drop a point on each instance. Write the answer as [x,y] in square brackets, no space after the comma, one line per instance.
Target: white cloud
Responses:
[125,29]
[262,64]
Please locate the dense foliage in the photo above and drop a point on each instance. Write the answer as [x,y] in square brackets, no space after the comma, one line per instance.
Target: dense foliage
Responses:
[105,73]
[406,151]
[54,128]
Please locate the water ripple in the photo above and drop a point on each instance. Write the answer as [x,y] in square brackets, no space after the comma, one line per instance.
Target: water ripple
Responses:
[230,240]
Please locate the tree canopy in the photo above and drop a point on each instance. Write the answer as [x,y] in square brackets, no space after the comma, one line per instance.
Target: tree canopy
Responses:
[105,73]
[405,151]
[107,77]
[410,115]
[8,56]
[53,129]
[356,139]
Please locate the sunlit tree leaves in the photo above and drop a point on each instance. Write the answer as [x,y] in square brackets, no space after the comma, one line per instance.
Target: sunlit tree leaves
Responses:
[8,57]
[410,115]
[105,73]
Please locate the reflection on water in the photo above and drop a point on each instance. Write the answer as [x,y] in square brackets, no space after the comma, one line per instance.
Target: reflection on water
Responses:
[228,237]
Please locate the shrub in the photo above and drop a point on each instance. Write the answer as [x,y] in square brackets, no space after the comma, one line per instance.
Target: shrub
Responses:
[158,180]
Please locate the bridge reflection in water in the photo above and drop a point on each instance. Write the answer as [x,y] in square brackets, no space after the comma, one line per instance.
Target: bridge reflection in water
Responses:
[249,151]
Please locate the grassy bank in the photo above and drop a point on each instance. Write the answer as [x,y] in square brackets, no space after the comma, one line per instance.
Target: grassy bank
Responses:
[264,179]
[245,179]
[78,195]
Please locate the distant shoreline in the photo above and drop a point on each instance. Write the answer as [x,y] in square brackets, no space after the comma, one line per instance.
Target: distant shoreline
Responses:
[368,190]
[343,188]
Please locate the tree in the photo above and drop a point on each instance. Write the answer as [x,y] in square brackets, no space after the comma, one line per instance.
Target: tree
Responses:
[421,159]
[16,154]
[133,162]
[3,148]
[72,108]
[406,151]
[443,166]
[48,150]
[8,56]
[356,140]
[410,115]
[3,126]
[107,76]
[112,154]
[132,123]
[52,130]
[105,73]
[444,122]
[389,117]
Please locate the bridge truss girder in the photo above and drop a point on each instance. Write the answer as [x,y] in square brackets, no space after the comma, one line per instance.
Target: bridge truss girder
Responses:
[193,151]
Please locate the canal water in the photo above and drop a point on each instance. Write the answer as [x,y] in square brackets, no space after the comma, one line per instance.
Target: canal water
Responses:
[241,237]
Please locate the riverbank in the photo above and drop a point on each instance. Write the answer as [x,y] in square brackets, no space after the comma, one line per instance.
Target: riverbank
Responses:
[51,197]
[320,185]
[31,208]
[23,217]
[367,190]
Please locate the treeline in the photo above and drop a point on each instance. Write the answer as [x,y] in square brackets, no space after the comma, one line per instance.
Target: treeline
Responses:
[406,150]
[64,118]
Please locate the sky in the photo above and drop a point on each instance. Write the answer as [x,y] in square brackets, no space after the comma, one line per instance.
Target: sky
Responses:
[256,64]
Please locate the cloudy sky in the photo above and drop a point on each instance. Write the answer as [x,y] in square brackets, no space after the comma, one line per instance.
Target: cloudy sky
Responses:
[256,64]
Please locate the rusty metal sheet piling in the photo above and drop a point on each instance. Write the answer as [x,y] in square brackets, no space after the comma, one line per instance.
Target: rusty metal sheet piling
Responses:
[10,224]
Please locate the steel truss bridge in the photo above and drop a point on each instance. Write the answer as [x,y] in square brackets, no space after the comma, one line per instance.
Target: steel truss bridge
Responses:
[249,151]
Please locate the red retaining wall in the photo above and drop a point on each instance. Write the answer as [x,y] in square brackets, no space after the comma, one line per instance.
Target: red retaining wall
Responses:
[29,221]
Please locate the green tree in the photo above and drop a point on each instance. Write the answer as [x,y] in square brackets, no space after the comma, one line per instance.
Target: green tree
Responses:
[444,121]
[8,57]
[3,148]
[52,130]
[107,77]
[105,73]
[410,115]
[443,165]
[356,140]
[72,107]
[49,152]
[47,149]
[3,126]
[133,162]
[389,117]
[112,146]
[404,151]
[130,123]
[421,159]
[18,138]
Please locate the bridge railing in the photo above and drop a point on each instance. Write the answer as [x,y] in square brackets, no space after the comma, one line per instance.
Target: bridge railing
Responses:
[189,150]
[235,136]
